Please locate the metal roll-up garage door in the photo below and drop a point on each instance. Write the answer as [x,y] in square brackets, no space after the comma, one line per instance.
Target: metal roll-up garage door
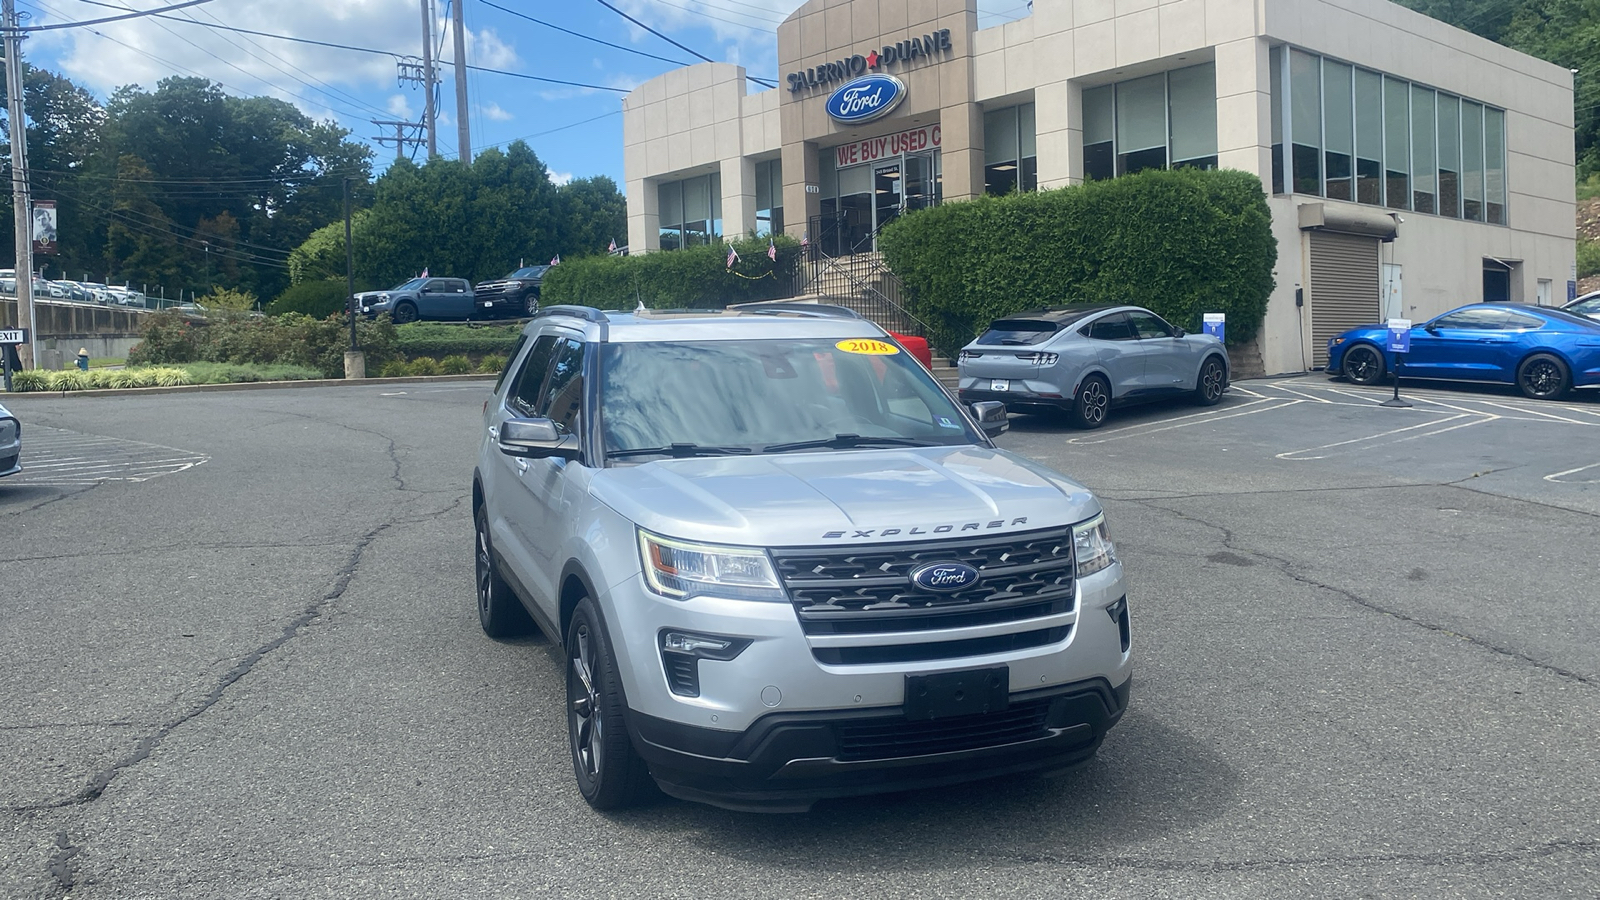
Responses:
[1344,287]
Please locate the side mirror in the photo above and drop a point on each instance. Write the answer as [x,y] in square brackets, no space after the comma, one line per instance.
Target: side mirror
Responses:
[536,439]
[1178,332]
[991,416]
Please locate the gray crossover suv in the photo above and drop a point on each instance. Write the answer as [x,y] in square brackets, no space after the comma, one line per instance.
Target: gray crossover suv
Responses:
[1086,359]
[784,565]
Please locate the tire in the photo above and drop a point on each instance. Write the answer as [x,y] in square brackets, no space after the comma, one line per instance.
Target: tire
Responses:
[1363,364]
[530,305]
[500,613]
[1093,401]
[610,774]
[1543,377]
[405,312]
[1213,380]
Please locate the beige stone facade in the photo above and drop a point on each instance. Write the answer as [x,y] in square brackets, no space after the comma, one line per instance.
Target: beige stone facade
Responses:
[704,121]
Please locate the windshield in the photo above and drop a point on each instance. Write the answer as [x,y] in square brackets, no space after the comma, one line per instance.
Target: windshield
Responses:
[1591,305]
[528,272]
[753,396]
[415,282]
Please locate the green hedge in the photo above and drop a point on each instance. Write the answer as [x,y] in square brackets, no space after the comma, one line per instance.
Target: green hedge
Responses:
[438,340]
[319,299]
[1181,242]
[692,278]
[292,339]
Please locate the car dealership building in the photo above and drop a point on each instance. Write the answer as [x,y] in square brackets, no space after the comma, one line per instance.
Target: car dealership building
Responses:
[1411,166]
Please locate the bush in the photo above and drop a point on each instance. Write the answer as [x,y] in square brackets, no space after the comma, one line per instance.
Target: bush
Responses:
[71,380]
[394,368]
[230,299]
[30,380]
[455,365]
[692,278]
[424,365]
[492,364]
[1180,242]
[290,339]
[318,299]
[438,339]
[1588,258]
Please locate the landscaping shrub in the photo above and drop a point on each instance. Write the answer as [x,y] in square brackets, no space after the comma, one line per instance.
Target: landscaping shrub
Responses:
[455,365]
[71,380]
[394,368]
[1588,258]
[423,365]
[440,339]
[692,278]
[492,364]
[30,380]
[290,339]
[319,299]
[1181,243]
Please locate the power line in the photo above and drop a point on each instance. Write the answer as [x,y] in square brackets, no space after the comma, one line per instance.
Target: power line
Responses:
[579,84]
[579,34]
[132,15]
[674,43]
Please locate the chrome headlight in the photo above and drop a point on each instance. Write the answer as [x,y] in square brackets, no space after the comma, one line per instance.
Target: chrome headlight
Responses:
[1092,547]
[685,569]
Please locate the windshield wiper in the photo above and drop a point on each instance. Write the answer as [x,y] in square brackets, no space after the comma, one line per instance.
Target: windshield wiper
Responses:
[678,451]
[846,441]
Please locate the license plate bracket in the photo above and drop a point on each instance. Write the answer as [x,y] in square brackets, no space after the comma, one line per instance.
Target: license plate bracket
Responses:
[965,693]
[1000,384]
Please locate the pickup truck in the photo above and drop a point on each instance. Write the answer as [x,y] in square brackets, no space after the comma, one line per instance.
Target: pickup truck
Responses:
[420,298]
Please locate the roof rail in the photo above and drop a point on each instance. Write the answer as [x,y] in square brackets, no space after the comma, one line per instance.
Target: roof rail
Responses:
[797,309]
[586,313]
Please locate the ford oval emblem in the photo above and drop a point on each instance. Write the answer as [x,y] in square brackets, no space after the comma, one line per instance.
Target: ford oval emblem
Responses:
[944,577]
[866,98]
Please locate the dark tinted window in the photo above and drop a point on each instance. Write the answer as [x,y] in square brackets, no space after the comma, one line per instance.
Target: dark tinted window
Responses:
[525,396]
[510,361]
[1472,320]
[1566,321]
[562,397]
[1149,325]
[1114,327]
[1523,320]
[1018,331]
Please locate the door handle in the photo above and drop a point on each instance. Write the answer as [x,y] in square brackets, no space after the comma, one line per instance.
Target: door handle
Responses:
[494,433]
[522,466]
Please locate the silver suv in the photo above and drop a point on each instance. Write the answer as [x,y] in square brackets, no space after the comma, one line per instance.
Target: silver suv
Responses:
[784,565]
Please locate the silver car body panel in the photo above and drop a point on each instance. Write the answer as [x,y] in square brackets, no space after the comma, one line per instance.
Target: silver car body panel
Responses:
[10,443]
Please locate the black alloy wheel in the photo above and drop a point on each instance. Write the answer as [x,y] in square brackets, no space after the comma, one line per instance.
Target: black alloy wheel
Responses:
[500,613]
[1363,364]
[610,774]
[1212,382]
[1093,401]
[1543,377]
[405,312]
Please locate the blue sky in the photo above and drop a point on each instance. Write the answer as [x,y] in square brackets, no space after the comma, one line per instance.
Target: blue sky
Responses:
[577,131]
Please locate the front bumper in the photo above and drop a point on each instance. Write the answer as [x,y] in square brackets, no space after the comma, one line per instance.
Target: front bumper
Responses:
[785,762]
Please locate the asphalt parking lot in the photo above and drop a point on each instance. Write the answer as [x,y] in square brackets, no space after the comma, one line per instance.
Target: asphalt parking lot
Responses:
[242,661]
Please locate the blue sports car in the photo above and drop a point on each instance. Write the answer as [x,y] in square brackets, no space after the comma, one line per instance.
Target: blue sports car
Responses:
[1543,351]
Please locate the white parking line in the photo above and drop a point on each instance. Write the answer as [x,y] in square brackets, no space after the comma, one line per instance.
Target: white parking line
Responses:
[1373,440]
[55,457]
[1560,477]
[1184,422]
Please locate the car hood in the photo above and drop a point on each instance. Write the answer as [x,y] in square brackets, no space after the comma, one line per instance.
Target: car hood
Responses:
[858,496]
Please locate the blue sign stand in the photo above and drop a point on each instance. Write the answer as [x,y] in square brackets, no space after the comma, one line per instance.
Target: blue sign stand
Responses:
[1215,324]
[1399,345]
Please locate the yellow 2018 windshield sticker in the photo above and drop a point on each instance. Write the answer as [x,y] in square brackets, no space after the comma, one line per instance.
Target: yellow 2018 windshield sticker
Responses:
[868,347]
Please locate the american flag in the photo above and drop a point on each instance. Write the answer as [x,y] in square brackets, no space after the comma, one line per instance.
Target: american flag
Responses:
[555,260]
[772,250]
[733,256]
[424,274]
[613,247]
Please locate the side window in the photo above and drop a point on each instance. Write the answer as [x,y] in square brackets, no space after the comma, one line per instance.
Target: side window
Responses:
[562,397]
[1519,321]
[524,399]
[460,287]
[1114,327]
[1150,326]
[511,360]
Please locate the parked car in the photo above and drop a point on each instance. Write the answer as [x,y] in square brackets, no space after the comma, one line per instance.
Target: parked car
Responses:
[1544,352]
[10,443]
[1587,305]
[420,298]
[516,294]
[783,565]
[74,291]
[1086,359]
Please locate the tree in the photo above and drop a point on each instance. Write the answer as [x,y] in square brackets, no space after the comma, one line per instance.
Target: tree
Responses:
[141,245]
[596,214]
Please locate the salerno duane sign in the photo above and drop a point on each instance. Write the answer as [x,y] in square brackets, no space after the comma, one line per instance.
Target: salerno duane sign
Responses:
[929,45]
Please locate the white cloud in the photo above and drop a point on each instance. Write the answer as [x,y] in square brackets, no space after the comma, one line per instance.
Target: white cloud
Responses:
[493,112]
[560,178]
[400,107]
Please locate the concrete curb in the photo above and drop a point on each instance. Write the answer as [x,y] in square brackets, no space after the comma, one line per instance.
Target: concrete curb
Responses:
[242,386]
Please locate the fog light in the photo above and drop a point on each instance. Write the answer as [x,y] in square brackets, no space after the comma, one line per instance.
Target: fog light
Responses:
[681,652]
[1118,612]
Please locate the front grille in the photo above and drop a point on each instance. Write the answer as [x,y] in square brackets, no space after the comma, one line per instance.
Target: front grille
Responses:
[982,646]
[896,737]
[868,589]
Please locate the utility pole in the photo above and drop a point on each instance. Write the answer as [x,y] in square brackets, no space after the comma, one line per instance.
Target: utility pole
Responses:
[428,78]
[19,182]
[457,28]
[401,139]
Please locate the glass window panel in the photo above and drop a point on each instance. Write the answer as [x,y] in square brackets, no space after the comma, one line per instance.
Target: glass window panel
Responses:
[1026,131]
[1494,145]
[1192,101]
[827,175]
[855,180]
[1029,177]
[1098,119]
[1000,136]
[1000,179]
[714,186]
[1338,126]
[763,185]
[696,199]
[1369,136]
[1424,151]
[1142,114]
[1305,121]
[1277,119]
[670,204]
[1471,161]
[1449,113]
[1397,143]
[1099,161]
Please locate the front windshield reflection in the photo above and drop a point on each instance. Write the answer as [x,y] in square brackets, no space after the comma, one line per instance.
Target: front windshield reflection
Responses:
[756,394]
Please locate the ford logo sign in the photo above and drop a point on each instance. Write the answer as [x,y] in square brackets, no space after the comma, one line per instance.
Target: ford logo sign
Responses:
[866,98]
[944,577]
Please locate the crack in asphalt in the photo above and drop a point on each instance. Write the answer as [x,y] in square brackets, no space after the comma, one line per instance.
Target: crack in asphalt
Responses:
[69,725]
[63,495]
[61,866]
[392,450]
[185,547]
[1287,567]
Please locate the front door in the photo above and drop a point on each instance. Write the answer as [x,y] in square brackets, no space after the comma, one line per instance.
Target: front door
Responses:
[887,196]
